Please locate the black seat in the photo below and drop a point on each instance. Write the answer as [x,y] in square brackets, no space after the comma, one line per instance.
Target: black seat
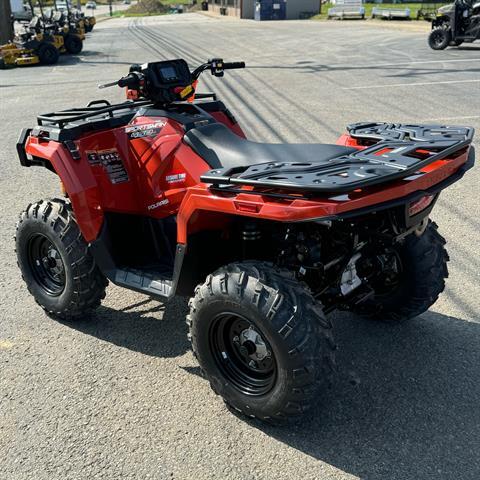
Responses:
[221,148]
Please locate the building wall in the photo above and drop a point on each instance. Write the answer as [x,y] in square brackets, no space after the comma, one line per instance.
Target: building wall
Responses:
[247,10]
[232,6]
[296,7]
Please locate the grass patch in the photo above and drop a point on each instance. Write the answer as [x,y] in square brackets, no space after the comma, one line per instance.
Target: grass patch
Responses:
[414,8]
[150,8]
[176,2]
[125,13]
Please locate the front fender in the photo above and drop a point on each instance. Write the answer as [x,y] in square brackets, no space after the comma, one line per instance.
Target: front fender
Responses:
[441,21]
[75,175]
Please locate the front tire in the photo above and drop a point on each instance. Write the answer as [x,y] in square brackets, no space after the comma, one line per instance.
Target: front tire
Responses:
[47,54]
[439,38]
[261,340]
[73,44]
[421,279]
[55,262]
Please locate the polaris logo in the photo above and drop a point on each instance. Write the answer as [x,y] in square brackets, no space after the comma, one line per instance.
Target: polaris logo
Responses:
[161,203]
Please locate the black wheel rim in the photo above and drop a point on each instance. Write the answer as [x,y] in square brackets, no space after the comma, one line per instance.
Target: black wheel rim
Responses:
[242,354]
[437,38]
[46,264]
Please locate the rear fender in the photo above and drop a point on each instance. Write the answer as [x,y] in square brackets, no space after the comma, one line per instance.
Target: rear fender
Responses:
[205,223]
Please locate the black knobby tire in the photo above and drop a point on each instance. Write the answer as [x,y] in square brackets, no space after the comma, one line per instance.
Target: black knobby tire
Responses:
[439,38]
[291,324]
[424,270]
[73,44]
[55,262]
[47,54]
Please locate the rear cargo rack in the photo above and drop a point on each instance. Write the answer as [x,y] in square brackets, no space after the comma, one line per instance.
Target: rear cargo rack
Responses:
[399,151]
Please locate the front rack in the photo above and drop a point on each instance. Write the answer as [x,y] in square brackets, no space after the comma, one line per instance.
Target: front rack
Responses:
[92,110]
[69,124]
[399,151]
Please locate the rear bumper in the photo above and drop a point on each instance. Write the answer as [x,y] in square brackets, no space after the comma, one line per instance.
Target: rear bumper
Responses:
[408,199]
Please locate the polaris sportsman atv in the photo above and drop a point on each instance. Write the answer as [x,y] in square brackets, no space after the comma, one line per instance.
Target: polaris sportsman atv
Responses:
[166,196]
[454,24]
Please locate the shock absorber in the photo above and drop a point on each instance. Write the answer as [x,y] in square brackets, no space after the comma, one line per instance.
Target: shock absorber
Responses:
[251,236]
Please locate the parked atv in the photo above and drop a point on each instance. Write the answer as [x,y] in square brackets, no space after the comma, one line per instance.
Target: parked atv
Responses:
[166,196]
[454,24]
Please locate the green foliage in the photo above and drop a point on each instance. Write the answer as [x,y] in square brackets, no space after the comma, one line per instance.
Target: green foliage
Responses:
[414,7]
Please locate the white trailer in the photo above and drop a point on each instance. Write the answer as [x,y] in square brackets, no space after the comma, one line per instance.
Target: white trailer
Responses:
[16,6]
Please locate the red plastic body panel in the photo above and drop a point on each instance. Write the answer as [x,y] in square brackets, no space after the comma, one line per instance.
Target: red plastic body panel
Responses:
[254,205]
[154,173]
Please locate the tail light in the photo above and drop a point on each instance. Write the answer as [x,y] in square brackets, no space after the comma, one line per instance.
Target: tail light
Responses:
[421,204]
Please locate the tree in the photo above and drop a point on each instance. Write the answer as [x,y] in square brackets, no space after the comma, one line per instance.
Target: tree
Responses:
[6,29]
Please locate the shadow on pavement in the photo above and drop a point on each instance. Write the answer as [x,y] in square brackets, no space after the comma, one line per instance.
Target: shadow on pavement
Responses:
[406,403]
[141,330]
[394,70]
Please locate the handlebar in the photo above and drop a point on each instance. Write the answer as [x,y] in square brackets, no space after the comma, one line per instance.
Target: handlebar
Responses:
[130,80]
[155,81]
[233,65]
[216,66]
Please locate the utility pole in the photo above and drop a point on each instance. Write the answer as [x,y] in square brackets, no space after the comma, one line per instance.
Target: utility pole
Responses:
[6,27]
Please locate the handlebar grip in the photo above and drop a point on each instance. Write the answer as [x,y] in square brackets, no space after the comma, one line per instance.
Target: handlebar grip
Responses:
[125,81]
[233,65]
[131,80]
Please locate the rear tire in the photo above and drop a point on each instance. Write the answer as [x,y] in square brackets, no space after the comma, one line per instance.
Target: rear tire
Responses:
[47,54]
[439,38]
[73,44]
[424,263]
[55,262]
[248,310]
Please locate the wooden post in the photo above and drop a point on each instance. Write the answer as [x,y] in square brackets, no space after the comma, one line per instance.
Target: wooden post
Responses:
[6,27]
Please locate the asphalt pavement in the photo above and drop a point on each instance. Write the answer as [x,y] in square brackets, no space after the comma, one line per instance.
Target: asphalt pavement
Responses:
[119,396]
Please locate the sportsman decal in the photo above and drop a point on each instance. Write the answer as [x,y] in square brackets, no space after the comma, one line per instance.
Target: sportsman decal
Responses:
[145,130]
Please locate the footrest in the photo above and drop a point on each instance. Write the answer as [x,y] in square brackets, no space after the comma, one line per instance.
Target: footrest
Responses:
[151,283]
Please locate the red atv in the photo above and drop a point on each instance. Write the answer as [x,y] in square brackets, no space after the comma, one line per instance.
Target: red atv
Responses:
[166,196]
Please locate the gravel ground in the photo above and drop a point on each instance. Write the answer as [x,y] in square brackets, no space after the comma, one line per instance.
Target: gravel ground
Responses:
[118,396]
